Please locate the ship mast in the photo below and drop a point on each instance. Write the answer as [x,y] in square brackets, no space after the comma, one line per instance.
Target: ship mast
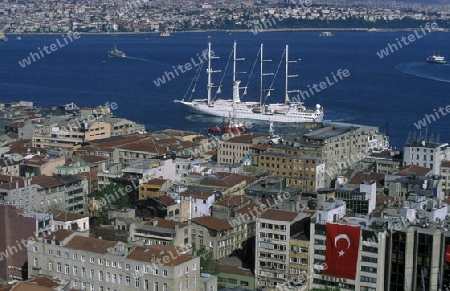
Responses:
[286,98]
[209,70]
[236,97]
[262,74]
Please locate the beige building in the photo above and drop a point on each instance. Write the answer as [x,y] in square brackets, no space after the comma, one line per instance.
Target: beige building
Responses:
[214,234]
[95,264]
[274,229]
[97,130]
[235,149]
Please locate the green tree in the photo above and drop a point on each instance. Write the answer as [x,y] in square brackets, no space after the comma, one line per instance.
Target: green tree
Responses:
[206,260]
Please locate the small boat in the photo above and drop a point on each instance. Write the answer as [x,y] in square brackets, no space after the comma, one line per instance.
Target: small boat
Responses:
[164,33]
[18,38]
[326,33]
[2,36]
[436,59]
[116,53]
[233,126]
[256,110]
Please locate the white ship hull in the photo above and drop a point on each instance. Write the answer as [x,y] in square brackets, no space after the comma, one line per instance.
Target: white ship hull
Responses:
[280,112]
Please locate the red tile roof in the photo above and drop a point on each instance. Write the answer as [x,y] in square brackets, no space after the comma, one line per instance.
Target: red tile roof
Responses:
[196,194]
[359,178]
[227,180]
[233,200]
[162,254]
[250,209]
[156,181]
[279,215]
[91,244]
[412,169]
[46,181]
[164,223]
[166,200]
[213,223]
[68,216]
[59,235]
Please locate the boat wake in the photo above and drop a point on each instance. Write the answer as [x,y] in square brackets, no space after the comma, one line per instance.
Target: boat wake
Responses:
[147,61]
[425,70]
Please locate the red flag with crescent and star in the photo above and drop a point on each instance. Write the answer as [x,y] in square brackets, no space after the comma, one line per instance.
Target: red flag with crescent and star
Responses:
[447,254]
[342,247]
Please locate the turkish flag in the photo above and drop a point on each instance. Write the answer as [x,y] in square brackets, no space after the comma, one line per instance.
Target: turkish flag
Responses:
[447,254]
[341,254]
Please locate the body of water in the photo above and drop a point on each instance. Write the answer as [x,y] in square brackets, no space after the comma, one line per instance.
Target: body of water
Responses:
[397,90]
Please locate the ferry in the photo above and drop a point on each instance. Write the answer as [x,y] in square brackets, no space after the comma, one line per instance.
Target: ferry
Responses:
[436,59]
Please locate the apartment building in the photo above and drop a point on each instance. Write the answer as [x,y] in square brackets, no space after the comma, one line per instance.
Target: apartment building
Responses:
[361,201]
[426,154]
[163,232]
[42,193]
[215,234]
[274,229]
[235,149]
[299,259]
[370,259]
[17,227]
[96,264]
[313,157]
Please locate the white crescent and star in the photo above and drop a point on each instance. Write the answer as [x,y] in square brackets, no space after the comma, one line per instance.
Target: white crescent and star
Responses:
[342,236]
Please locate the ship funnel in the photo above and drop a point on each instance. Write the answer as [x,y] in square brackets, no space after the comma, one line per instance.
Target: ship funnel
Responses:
[236,97]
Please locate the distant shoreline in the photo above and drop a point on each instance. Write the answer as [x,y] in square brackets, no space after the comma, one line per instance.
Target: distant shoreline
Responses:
[227,31]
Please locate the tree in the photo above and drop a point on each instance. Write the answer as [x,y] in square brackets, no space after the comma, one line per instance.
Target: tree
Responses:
[206,260]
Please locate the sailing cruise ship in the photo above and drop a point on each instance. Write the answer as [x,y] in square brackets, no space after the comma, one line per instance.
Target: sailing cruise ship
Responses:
[289,111]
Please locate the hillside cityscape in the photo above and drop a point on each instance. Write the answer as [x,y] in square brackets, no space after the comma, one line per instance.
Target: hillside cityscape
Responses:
[159,16]
[92,200]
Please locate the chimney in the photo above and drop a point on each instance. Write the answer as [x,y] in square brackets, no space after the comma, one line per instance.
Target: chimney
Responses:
[153,258]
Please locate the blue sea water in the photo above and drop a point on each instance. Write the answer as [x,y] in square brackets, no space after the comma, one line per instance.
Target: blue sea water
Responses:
[397,90]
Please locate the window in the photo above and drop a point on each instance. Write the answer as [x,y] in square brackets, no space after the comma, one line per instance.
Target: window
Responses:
[107,262]
[58,253]
[137,283]
[50,266]
[120,265]
[74,256]
[165,287]
[100,275]
[100,261]
[66,269]
[165,273]
[108,276]
[156,286]
[83,258]
[127,266]
[145,284]
[91,260]
[114,264]
[91,274]
[58,267]
[194,267]
[66,255]
[137,268]
[127,280]
[74,270]
[194,281]
[114,278]
[35,262]
[50,252]
[83,272]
